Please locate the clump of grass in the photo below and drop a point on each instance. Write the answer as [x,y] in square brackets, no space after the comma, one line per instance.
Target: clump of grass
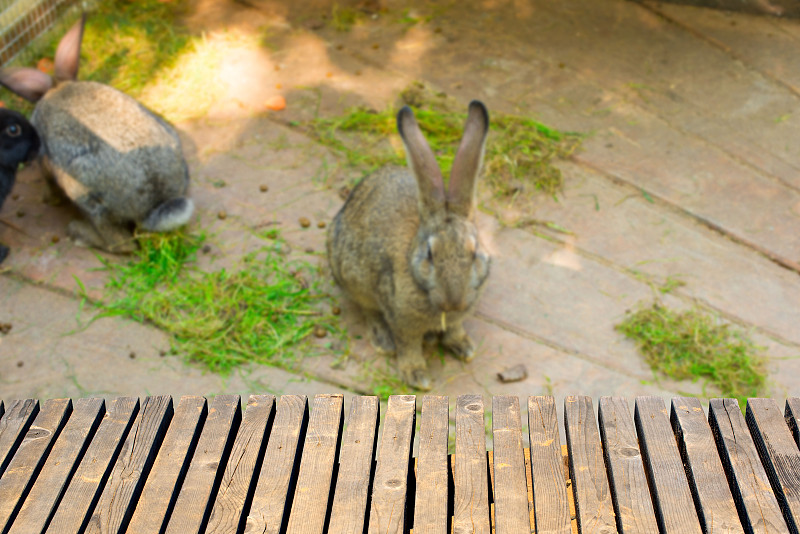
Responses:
[383,380]
[367,145]
[671,284]
[519,156]
[138,47]
[693,344]
[344,18]
[522,153]
[260,312]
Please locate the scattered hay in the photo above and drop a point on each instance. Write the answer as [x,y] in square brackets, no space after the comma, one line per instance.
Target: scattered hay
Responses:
[694,344]
[520,152]
[261,312]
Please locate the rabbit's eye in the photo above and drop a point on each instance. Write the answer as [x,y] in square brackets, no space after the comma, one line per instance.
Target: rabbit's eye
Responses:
[14,130]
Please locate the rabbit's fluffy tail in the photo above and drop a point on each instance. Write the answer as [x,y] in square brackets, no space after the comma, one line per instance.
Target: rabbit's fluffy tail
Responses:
[170,215]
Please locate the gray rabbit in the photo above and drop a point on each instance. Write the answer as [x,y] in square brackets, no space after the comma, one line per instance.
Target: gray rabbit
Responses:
[407,251]
[19,143]
[119,162]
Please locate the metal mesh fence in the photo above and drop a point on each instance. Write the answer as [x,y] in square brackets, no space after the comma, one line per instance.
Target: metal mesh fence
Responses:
[21,21]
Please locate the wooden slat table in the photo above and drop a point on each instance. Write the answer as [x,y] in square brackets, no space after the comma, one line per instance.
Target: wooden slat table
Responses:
[298,465]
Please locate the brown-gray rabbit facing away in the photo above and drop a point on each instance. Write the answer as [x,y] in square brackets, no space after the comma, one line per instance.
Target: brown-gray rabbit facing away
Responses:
[119,162]
[408,253]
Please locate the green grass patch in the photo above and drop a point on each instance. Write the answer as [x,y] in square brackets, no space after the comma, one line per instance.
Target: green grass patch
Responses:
[695,345]
[127,43]
[520,151]
[262,311]
[138,47]
[124,43]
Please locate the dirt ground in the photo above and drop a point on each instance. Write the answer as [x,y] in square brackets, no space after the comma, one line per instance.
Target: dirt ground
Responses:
[690,172]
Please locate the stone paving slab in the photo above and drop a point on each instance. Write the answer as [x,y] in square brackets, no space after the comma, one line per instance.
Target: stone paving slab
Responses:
[552,292]
[766,43]
[34,254]
[664,244]
[750,208]
[676,76]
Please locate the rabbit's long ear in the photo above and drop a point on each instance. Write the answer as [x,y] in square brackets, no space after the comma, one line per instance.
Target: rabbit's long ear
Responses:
[30,84]
[468,160]
[422,163]
[68,53]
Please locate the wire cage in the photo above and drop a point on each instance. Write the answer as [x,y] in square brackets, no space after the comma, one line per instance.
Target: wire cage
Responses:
[22,21]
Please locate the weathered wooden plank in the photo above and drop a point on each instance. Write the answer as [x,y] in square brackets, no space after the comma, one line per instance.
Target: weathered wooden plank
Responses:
[387,511]
[62,461]
[196,496]
[674,507]
[758,508]
[116,503]
[716,508]
[592,496]
[269,512]
[238,482]
[348,513]
[509,489]
[91,475]
[320,456]
[471,491]
[471,478]
[792,415]
[30,457]
[162,485]
[13,426]
[779,455]
[430,508]
[550,500]
[633,506]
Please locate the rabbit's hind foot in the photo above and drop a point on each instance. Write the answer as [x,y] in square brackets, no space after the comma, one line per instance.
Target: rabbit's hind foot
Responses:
[417,379]
[53,195]
[113,239]
[379,333]
[413,370]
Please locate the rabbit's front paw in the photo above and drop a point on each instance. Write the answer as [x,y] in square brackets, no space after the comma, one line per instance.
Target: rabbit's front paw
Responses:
[458,342]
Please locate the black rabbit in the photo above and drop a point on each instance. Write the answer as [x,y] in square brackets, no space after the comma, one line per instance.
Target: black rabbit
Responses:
[19,143]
